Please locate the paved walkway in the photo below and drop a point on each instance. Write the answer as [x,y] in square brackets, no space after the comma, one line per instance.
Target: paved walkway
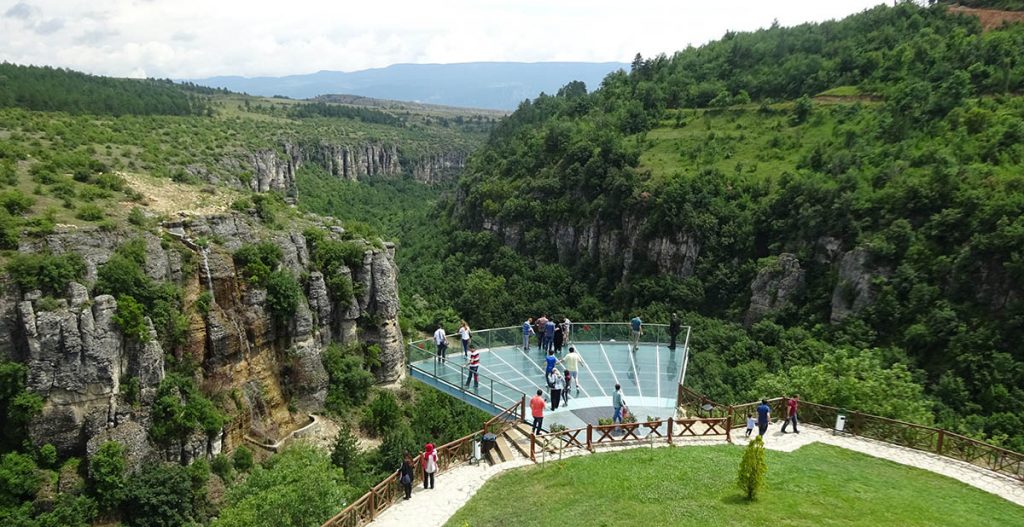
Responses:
[974,476]
[453,489]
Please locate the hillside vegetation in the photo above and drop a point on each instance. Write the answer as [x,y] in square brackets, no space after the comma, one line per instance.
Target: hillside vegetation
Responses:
[874,233]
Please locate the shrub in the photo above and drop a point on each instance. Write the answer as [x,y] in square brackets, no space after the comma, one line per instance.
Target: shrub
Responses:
[557,428]
[110,181]
[131,320]
[242,458]
[203,302]
[15,202]
[69,511]
[283,293]
[382,414]
[20,479]
[17,406]
[348,383]
[90,212]
[50,273]
[180,409]
[107,475]
[47,456]
[47,303]
[160,496]
[137,217]
[221,466]
[753,469]
[346,454]
[257,261]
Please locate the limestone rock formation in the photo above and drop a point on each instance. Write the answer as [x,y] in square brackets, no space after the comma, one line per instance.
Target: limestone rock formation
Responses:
[774,287]
[855,287]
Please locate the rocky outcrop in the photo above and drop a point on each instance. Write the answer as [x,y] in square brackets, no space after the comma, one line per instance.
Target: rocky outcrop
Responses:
[265,372]
[274,171]
[855,287]
[774,287]
[437,168]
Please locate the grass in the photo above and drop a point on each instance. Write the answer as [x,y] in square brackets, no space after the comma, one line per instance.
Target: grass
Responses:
[815,485]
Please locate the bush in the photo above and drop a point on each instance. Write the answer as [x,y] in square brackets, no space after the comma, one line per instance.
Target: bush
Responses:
[160,496]
[346,454]
[90,212]
[242,458]
[107,475]
[203,302]
[20,479]
[69,511]
[15,202]
[382,414]
[753,469]
[283,294]
[50,273]
[137,217]
[298,487]
[17,406]
[348,383]
[222,466]
[47,303]
[47,456]
[180,410]
[257,261]
[131,320]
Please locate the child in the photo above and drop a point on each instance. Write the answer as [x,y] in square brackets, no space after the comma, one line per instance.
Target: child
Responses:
[750,423]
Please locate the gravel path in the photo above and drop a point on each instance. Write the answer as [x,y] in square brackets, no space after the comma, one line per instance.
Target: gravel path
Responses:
[454,488]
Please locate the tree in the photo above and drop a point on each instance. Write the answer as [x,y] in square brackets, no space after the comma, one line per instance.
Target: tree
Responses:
[107,475]
[753,469]
[160,496]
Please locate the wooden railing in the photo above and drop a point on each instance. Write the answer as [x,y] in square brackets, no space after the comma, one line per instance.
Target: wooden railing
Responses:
[910,435]
[449,455]
[630,433]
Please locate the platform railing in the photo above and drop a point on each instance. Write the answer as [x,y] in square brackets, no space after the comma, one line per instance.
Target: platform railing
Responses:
[626,434]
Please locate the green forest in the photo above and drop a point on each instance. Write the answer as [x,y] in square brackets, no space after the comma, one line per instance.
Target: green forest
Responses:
[897,131]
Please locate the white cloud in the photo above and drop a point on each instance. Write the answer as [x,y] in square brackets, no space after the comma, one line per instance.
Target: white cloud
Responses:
[198,38]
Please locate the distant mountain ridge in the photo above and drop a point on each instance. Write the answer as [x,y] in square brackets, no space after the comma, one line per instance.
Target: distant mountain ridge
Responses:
[490,85]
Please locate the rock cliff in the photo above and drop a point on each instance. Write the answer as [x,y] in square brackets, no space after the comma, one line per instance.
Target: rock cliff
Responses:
[266,373]
[774,287]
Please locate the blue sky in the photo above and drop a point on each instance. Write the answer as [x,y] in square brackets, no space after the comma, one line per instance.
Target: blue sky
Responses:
[199,38]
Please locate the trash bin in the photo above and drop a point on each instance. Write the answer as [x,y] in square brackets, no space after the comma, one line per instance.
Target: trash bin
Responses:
[488,441]
[840,422]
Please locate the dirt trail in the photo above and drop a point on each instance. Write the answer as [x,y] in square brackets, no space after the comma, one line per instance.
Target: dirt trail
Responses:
[990,18]
[168,197]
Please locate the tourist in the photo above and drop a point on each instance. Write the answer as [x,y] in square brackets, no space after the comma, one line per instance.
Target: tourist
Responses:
[565,391]
[559,340]
[764,417]
[617,404]
[551,361]
[791,408]
[572,365]
[567,330]
[442,343]
[474,368]
[549,335]
[537,407]
[464,337]
[673,331]
[637,329]
[750,423]
[539,329]
[527,331]
[557,383]
[405,474]
[429,466]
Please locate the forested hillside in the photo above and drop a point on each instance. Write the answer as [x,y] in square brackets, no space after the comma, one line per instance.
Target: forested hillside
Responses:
[837,207]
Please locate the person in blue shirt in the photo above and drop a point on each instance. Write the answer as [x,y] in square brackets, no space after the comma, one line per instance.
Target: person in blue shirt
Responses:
[527,331]
[549,335]
[551,361]
[637,327]
[764,417]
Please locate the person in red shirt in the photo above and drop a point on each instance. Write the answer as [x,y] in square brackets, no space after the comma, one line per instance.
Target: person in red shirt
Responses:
[791,408]
[474,368]
[537,405]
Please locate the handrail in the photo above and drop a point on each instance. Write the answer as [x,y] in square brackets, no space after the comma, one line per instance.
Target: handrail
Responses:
[910,435]
[592,435]
[382,495]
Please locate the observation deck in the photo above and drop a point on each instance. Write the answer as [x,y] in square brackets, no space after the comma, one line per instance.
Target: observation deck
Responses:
[649,376]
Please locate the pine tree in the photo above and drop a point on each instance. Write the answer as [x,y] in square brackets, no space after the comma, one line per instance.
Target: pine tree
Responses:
[753,469]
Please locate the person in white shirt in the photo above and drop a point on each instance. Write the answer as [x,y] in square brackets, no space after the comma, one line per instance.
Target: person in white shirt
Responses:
[572,365]
[567,330]
[557,385]
[442,343]
[464,337]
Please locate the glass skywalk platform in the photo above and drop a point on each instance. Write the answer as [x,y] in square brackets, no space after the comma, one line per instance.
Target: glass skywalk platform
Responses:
[649,377]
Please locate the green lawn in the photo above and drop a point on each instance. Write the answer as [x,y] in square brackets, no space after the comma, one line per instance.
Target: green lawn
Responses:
[816,485]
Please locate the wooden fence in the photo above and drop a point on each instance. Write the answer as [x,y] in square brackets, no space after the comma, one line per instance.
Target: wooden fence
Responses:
[630,433]
[910,435]
[449,455]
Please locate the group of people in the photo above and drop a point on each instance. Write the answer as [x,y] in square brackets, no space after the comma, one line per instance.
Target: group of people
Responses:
[537,405]
[764,416]
[406,471]
[441,341]
[550,335]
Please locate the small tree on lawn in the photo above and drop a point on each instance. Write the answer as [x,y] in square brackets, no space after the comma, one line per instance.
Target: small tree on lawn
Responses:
[753,469]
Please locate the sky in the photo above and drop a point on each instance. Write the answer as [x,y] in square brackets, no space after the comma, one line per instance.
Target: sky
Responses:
[201,38]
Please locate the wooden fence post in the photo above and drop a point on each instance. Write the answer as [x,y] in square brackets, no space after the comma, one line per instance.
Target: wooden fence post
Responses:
[938,443]
[670,430]
[590,434]
[522,408]
[533,447]
[728,426]
[373,503]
